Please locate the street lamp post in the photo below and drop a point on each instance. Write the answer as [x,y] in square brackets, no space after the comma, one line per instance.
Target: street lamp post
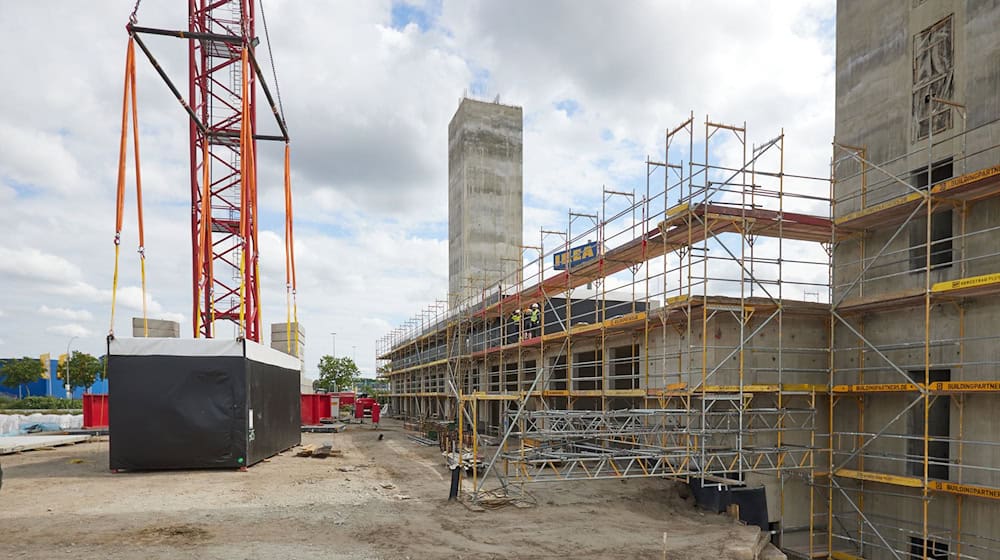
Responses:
[69,388]
[334,344]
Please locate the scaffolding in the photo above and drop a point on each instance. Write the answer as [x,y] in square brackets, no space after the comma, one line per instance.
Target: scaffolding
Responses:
[913,366]
[681,333]
[829,338]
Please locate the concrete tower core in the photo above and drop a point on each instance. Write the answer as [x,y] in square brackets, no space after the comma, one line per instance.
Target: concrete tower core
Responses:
[485,197]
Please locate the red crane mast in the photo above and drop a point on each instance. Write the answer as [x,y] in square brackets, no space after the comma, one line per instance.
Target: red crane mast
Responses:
[223,78]
[227,257]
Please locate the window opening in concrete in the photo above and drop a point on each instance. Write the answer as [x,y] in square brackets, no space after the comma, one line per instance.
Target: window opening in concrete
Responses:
[558,375]
[940,171]
[941,236]
[941,228]
[510,376]
[938,427]
[625,367]
[528,375]
[933,76]
[589,371]
[476,385]
[494,381]
[935,549]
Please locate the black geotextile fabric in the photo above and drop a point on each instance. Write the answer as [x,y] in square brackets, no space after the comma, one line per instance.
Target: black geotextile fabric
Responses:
[716,498]
[277,419]
[176,412]
[189,412]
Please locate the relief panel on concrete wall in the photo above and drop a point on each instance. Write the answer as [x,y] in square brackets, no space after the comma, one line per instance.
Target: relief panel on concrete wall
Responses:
[933,76]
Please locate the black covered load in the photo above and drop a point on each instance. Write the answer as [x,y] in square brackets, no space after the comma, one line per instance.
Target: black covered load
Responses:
[199,403]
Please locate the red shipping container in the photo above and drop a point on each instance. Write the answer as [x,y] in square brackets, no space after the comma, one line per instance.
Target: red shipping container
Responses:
[346,398]
[315,408]
[95,411]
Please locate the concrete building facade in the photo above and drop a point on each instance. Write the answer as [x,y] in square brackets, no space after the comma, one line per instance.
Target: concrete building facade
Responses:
[485,196]
[916,455]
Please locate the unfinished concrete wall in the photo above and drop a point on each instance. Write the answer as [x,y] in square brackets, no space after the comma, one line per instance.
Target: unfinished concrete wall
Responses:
[884,68]
[485,196]
[800,358]
[890,56]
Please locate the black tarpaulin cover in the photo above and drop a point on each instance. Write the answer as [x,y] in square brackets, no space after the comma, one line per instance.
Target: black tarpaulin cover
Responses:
[199,403]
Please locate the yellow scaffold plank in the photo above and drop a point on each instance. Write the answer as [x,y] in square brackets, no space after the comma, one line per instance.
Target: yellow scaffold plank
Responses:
[912,197]
[752,388]
[677,299]
[936,387]
[966,386]
[440,362]
[971,186]
[625,393]
[674,210]
[962,283]
[966,179]
[763,388]
[802,387]
[672,389]
[875,388]
[580,329]
[909,481]
[964,489]
[490,397]
[627,318]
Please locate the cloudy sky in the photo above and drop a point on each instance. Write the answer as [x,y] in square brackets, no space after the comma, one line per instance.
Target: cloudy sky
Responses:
[368,89]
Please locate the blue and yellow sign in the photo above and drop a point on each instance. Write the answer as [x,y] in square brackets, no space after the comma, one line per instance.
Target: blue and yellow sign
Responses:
[575,256]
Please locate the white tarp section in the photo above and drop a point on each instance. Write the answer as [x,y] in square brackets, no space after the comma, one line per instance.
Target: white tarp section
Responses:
[203,347]
[17,424]
[265,355]
[175,347]
[16,444]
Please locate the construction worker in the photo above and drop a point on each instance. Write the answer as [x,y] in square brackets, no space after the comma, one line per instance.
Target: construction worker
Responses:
[515,319]
[534,321]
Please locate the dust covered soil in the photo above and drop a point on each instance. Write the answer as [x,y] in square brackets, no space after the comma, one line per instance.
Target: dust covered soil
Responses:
[383,499]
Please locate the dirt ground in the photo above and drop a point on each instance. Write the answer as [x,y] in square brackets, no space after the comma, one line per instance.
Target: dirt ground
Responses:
[382,500]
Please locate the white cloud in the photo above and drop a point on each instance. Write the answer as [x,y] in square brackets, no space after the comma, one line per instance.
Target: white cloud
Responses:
[71,329]
[35,265]
[64,313]
[368,107]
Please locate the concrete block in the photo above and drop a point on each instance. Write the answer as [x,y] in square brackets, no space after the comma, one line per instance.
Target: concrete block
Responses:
[156,328]
[771,552]
[747,543]
[283,337]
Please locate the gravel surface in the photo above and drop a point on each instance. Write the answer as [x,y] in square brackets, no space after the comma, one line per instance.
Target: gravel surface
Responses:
[380,500]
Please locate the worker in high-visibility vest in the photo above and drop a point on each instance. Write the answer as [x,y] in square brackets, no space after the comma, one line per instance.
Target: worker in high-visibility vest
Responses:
[515,320]
[534,321]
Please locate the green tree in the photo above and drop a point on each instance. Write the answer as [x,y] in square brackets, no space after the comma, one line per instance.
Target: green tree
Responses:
[19,372]
[336,373]
[84,370]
